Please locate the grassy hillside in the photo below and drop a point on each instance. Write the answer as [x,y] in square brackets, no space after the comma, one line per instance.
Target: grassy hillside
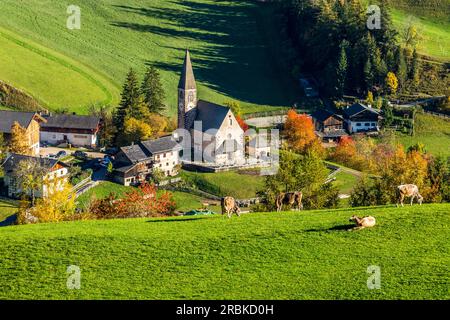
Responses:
[434,30]
[432,131]
[307,255]
[7,208]
[229,40]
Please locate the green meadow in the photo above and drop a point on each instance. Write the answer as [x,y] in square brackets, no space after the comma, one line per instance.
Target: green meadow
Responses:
[230,42]
[288,255]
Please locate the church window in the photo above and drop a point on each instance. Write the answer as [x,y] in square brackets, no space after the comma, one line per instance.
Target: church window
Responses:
[231,120]
[191,97]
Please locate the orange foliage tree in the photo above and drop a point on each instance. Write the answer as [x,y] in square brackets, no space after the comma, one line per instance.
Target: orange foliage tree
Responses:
[299,133]
[242,124]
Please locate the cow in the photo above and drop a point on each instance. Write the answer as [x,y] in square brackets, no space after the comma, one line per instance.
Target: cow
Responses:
[289,198]
[229,206]
[408,190]
[361,223]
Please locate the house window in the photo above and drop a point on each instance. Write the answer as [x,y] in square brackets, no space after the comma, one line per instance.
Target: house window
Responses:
[367,124]
[359,124]
[164,155]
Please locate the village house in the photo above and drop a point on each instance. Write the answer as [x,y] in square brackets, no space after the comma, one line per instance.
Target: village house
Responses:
[136,163]
[31,121]
[361,118]
[212,127]
[328,125]
[76,130]
[258,148]
[56,173]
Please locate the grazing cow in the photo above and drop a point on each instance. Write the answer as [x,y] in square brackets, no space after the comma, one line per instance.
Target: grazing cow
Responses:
[362,223]
[229,206]
[289,198]
[408,190]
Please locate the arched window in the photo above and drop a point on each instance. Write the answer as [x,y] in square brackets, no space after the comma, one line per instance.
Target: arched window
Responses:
[231,120]
[191,97]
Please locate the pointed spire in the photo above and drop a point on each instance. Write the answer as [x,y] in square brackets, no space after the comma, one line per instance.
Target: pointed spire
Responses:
[187,80]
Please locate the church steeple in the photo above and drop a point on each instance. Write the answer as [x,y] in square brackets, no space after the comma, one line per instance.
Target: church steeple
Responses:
[187,79]
[187,95]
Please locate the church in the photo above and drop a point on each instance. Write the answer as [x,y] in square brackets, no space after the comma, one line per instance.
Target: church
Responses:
[216,136]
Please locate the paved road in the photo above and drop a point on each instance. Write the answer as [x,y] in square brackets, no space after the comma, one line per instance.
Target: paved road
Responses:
[54,150]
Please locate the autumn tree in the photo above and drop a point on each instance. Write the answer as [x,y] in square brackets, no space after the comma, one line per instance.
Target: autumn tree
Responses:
[30,176]
[244,126]
[391,82]
[19,140]
[299,133]
[134,131]
[107,127]
[235,107]
[131,101]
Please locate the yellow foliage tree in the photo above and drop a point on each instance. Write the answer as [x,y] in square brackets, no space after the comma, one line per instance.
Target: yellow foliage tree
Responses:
[392,82]
[19,140]
[158,124]
[136,130]
[59,204]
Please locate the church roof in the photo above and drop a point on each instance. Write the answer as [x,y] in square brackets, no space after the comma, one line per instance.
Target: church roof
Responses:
[187,79]
[211,115]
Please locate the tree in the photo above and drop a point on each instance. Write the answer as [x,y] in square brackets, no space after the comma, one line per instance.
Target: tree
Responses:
[244,126]
[235,107]
[299,131]
[19,140]
[391,82]
[158,124]
[414,71]
[341,69]
[134,131]
[402,69]
[107,128]
[388,113]
[110,169]
[59,205]
[153,91]
[369,99]
[130,100]
[30,176]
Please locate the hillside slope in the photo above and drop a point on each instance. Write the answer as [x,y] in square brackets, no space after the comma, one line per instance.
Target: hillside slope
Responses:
[227,39]
[306,255]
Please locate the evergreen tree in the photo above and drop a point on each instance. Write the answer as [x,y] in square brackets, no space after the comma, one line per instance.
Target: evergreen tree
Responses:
[341,69]
[152,90]
[368,74]
[414,72]
[129,102]
[388,113]
[402,69]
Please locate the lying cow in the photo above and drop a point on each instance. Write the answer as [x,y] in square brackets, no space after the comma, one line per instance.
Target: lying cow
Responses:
[289,198]
[229,206]
[362,223]
[408,190]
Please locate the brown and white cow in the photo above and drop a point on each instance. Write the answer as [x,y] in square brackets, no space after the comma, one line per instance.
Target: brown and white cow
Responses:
[408,190]
[289,198]
[362,223]
[229,206]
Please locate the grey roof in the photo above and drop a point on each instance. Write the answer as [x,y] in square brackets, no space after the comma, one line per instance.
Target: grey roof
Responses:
[357,108]
[146,149]
[71,121]
[7,119]
[210,114]
[187,79]
[162,144]
[323,114]
[14,159]
[333,134]
[135,153]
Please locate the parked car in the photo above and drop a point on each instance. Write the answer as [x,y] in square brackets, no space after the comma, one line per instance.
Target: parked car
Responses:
[80,154]
[61,154]
[110,151]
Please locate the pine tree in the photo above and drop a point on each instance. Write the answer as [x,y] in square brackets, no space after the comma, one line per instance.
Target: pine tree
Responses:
[130,99]
[368,74]
[341,69]
[19,140]
[153,91]
[402,69]
[414,73]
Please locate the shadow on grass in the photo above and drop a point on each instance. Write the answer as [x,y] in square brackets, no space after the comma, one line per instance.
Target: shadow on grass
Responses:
[227,53]
[335,228]
[9,221]
[176,220]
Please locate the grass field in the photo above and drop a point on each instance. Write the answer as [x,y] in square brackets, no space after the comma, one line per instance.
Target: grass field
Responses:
[345,182]
[432,131]
[231,183]
[295,255]
[435,32]
[185,201]
[229,41]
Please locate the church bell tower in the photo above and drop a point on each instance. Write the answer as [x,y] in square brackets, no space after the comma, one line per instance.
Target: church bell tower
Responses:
[187,95]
